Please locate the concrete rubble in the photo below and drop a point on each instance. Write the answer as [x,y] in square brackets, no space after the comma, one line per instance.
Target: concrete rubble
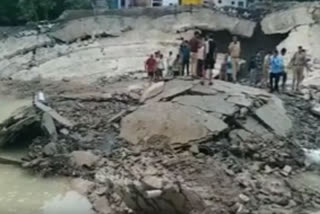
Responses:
[174,147]
[172,154]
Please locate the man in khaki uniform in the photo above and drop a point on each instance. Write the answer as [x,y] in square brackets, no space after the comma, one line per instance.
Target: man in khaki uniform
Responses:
[234,50]
[298,62]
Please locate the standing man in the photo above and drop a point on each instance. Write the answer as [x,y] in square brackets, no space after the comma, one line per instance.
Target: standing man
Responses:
[266,69]
[234,50]
[298,61]
[275,72]
[210,58]
[284,71]
[185,58]
[170,61]
[194,46]
[151,67]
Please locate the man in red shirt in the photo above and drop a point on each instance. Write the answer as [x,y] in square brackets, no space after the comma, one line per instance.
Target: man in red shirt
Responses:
[151,67]
[194,44]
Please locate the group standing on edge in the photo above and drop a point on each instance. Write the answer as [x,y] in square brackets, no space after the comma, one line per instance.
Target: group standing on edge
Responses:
[197,58]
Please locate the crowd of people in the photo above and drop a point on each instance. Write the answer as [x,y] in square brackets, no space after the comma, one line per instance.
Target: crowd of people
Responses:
[197,58]
[273,67]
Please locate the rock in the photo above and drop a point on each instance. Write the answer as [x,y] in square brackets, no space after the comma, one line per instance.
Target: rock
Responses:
[152,182]
[83,158]
[175,126]
[82,186]
[243,112]
[101,205]
[118,116]
[153,193]
[244,198]
[50,149]
[274,115]
[286,170]
[194,149]
[208,103]
[49,126]
[64,131]
[315,109]
[152,91]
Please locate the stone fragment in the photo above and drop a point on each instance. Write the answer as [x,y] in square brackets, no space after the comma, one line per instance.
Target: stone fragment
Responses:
[82,186]
[64,131]
[50,149]
[244,198]
[83,158]
[153,193]
[152,182]
[315,109]
[286,170]
[194,149]
[102,206]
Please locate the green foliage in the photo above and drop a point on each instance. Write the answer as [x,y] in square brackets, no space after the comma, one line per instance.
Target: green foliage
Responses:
[14,12]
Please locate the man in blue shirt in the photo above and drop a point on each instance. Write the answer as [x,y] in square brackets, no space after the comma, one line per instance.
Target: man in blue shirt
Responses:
[276,65]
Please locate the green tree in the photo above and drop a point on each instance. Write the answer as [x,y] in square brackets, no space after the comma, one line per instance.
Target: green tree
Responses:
[35,10]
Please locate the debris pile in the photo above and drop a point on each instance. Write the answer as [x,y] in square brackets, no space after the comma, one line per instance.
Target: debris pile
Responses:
[177,147]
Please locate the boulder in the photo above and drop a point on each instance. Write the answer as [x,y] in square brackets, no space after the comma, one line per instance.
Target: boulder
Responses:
[172,123]
[101,205]
[83,158]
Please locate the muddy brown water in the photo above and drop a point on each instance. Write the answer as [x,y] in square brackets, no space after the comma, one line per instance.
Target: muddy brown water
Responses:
[23,192]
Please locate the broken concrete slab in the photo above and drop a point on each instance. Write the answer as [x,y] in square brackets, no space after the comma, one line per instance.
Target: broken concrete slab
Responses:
[49,126]
[61,120]
[234,89]
[152,91]
[10,161]
[203,90]
[254,127]
[274,116]
[83,158]
[20,122]
[240,100]
[174,88]
[215,103]
[175,124]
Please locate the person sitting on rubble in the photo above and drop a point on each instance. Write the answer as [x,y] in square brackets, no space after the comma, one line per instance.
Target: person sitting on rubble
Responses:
[150,67]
